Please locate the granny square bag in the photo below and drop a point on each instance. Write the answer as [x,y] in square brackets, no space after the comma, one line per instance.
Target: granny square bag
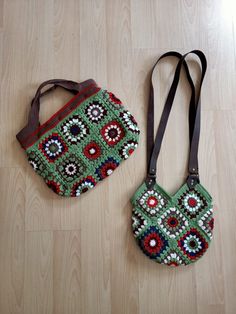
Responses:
[82,143]
[173,229]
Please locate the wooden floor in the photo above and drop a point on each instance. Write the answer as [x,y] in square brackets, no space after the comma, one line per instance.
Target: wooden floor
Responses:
[68,256]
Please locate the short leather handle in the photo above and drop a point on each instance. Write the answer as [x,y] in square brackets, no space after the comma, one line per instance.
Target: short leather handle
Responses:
[78,89]
[74,87]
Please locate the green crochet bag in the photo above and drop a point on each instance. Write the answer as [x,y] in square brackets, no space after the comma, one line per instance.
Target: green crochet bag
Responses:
[173,229]
[82,143]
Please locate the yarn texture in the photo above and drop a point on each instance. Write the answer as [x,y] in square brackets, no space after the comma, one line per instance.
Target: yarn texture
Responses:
[86,146]
[173,230]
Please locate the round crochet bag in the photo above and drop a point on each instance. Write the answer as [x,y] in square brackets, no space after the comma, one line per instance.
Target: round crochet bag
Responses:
[173,229]
[82,143]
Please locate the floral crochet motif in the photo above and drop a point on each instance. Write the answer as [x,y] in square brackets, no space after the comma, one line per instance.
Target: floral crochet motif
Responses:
[83,186]
[172,222]
[74,129]
[95,112]
[53,147]
[173,259]
[173,230]
[152,202]
[129,121]
[112,133]
[92,150]
[107,168]
[152,242]
[127,149]
[71,168]
[36,163]
[206,222]
[192,203]
[82,144]
[193,244]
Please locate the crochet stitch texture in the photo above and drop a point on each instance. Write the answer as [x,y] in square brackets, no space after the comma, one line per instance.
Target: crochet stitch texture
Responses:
[173,230]
[86,146]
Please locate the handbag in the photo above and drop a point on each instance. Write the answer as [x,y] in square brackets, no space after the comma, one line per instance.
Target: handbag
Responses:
[173,229]
[83,142]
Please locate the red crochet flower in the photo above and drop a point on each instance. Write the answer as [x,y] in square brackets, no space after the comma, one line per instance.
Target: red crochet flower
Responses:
[153,243]
[152,202]
[106,168]
[83,186]
[193,244]
[92,150]
[192,202]
[172,222]
[112,133]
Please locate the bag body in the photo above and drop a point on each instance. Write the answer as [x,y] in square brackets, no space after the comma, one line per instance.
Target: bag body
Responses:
[173,229]
[82,143]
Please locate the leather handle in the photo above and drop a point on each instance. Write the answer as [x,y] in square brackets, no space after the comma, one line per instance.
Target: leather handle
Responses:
[194,120]
[74,87]
[150,117]
[78,89]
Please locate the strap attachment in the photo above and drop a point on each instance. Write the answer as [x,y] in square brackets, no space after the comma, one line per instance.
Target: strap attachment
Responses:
[193,179]
[150,180]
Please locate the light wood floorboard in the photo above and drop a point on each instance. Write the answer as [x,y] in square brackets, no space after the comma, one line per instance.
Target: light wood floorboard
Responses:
[78,256]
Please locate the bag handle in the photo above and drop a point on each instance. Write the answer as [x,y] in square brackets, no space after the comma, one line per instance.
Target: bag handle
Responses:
[78,89]
[73,87]
[194,120]
[193,171]
[150,115]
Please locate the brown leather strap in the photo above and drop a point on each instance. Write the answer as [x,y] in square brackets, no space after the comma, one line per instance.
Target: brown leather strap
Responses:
[33,117]
[193,176]
[71,86]
[150,118]
[194,120]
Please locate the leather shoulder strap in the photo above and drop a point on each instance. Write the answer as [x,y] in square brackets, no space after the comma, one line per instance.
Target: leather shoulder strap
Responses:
[194,120]
[150,115]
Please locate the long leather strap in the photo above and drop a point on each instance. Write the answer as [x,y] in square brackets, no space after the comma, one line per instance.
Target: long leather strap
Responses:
[194,120]
[150,119]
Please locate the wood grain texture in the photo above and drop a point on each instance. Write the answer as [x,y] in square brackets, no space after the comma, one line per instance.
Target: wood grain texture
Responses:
[78,256]
[38,284]
[12,240]
[67,285]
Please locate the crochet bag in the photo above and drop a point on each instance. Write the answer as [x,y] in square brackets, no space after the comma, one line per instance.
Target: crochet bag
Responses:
[82,143]
[173,229]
